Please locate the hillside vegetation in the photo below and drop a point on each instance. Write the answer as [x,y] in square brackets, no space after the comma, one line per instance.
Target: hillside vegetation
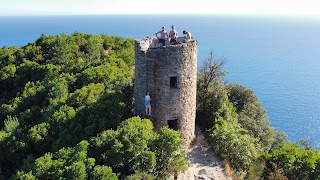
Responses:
[66,112]
[238,130]
[64,104]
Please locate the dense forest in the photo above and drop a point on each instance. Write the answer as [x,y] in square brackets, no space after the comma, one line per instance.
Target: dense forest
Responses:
[66,108]
[67,112]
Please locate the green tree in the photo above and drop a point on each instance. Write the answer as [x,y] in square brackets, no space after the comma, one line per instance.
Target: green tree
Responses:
[252,114]
[13,146]
[134,147]
[7,71]
[211,93]
[67,163]
[62,90]
[169,157]
[231,142]
[126,150]
[33,52]
[62,52]
[277,173]
[11,124]
[38,137]
[296,162]
[103,173]
[7,55]
[22,175]
[140,175]
[86,96]
[93,49]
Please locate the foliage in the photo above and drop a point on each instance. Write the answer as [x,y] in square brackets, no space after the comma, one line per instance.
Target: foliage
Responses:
[103,172]
[130,150]
[280,137]
[134,147]
[296,162]
[256,169]
[252,115]
[60,90]
[140,175]
[11,124]
[169,158]
[236,122]
[122,149]
[277,173]
[211,93]
[67,163]
[37,138]
[229,141]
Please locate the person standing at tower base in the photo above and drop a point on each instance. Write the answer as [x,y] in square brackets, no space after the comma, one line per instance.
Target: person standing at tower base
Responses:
[147,103]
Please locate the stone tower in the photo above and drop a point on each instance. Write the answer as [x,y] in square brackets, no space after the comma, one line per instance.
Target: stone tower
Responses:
[169,74]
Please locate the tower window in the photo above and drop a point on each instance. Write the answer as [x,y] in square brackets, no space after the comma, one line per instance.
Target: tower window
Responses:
[173,82]
[173,124]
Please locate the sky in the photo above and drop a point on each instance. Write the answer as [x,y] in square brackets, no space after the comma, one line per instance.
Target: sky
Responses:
[94,7]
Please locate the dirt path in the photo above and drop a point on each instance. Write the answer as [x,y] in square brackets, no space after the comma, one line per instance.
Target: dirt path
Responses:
[203,163]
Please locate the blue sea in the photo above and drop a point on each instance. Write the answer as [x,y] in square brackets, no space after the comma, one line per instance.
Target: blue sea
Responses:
[278,57]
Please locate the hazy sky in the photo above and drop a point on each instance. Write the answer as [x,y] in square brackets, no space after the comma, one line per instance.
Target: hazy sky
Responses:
[86,7]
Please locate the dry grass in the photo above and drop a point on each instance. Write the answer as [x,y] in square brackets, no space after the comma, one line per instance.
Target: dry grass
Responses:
[228,170]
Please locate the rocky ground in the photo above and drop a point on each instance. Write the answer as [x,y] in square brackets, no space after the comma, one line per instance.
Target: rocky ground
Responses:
[203,163]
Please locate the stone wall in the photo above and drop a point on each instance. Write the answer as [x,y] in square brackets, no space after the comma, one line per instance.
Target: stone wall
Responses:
[154,67]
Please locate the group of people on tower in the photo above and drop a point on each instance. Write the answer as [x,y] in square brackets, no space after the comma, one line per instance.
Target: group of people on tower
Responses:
[173,35]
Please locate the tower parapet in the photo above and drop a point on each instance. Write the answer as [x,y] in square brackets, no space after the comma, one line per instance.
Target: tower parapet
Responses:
[169,74]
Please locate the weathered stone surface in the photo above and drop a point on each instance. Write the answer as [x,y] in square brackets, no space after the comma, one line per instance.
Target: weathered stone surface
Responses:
[153,69]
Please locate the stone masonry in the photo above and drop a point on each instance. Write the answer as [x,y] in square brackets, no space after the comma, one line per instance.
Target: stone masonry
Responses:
[169,74]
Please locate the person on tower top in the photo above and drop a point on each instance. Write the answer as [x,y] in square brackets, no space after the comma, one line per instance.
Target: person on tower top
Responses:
[187,37]
[173,35]
[163,36]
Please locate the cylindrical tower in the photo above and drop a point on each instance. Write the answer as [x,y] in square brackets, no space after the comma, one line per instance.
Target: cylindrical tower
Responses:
[170,75]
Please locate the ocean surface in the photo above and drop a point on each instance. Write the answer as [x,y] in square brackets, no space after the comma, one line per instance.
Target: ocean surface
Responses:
[277,57]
